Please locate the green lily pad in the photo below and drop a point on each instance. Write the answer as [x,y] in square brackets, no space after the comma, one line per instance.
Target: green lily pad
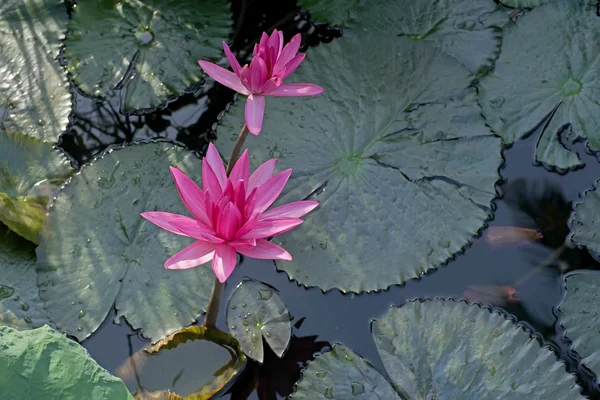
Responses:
[96,251]
[30,172]
[585,221]
[396,148]
[160,40]
[20,303]
[444,349]
[43,364]
[537,75]
[464,29]
[34,90]
[580,317]
[255,311]
[524,3]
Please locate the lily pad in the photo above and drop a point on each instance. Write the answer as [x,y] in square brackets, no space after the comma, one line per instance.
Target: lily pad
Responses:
[96,251]
[585,221]
[396,152]
[524,3]
[30,172]
[255,311]
[547,75]
[159,40]
[43,364]
[34,90]
[580,317]
[464,29]
[20,303]
[444,349]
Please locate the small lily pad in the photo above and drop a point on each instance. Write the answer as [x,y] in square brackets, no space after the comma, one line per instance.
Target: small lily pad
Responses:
[43,364]
[20,303]
[255,311]
[96,251]
[30,173]
[34,90]
[543,77]
[160,41]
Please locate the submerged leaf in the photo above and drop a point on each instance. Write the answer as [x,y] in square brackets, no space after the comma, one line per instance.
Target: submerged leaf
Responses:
[159,40]
[96,251]
[396,152]
[43,364]
[255,311]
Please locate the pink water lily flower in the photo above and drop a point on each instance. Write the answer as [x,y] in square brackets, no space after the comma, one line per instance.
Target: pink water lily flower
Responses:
[271,64]
[229,214]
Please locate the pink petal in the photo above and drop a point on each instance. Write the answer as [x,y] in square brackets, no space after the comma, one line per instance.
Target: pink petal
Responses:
[276,41]
[210,181]
[216,164]
[270,85]
[223,76]
[289,51]
[235,65]
[191,227]
[292,65]
[296,89]
[229,222]
[264,38]
[261,174]
[241,169]
[255,111]
[291,210]
[191,256]
[163,220]
[258,74]
[209,237]
[269,191]
[191,195]
[242,244]
[272,227]
[265,250]
[223,262]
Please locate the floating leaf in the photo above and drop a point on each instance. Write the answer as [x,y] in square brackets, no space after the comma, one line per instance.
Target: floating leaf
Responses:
[580,317]
[444,349]
[524,3]
[34,91]
[96,251]
[20,304]
[255,311]
[466,30]
[30,172]
[395,150]
[160,40]
[533,80]
[43,364]
[585,222]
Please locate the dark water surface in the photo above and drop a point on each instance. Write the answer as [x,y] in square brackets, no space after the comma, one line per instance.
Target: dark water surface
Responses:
[532,197]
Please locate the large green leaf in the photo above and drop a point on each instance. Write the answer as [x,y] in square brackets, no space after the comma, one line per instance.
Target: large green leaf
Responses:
[255,311]
[43,364]
[30,172]
[447,350]
[398,145]
[548,71]
[464,29]
[34,92]
[585,221]
[20,304]
[160,39]
[524,3]
[580,317]
[96,251]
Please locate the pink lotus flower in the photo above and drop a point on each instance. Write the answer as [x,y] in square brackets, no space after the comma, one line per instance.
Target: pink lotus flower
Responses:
[229,214]
[271,64]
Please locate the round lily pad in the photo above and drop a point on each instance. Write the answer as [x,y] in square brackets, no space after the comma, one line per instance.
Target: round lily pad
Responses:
[445,349]
[585,221]
[546,73]
[43,364]
[20,303]
[96,251]
[464,29]
[30,172]
[524,3]
[34,91]
[159,42]
[396,152]
[255,311]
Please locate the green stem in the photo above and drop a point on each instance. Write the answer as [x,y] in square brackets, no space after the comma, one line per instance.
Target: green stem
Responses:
[214,303]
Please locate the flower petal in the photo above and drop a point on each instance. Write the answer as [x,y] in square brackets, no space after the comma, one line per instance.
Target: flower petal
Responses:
[291,210]
[191,195]
[272,227]
[216,164]
[258,74]
[269,191]
[191,256]
[289,51]
[223,262]
[255,111]
[210,182]
[163,220]
[276,41]
[265,250]
[261,175]
[191,227]
[291,65]
[241,169]
[229,222]
[242,244]
[224,77]
[235,65]
[296,89]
